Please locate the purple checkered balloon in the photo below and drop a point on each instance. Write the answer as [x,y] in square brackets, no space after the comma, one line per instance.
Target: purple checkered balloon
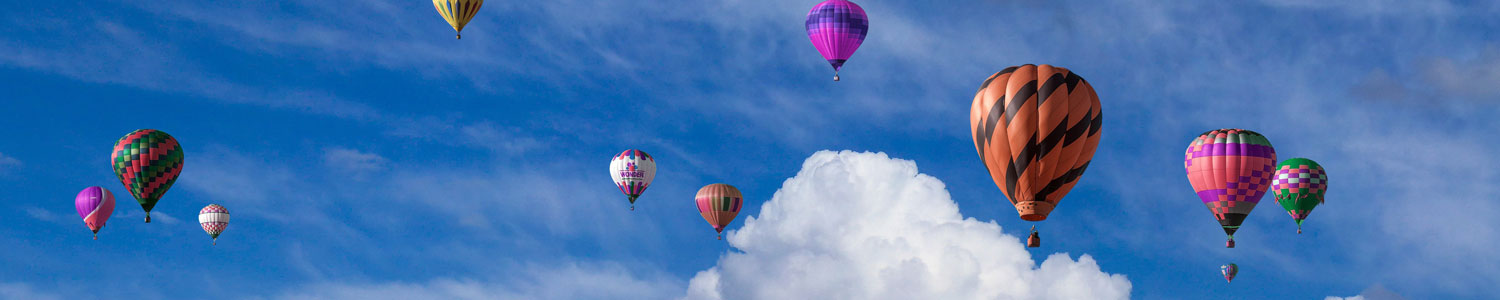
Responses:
[836,28]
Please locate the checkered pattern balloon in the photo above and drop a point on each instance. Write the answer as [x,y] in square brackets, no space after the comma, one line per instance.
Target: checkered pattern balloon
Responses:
[213,218]
[1230,170]
[837,28]
[147,161]
[1299,186]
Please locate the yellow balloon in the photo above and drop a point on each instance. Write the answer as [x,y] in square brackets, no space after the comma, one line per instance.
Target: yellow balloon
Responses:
[458,12]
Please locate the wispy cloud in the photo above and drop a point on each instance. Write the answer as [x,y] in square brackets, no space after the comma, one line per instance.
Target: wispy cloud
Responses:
[156,215]
[109,52]
[573,280]
[7,163]
[18,291]
[43,214]
[353,161]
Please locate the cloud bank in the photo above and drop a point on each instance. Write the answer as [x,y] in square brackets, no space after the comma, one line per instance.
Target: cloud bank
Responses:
[866,226]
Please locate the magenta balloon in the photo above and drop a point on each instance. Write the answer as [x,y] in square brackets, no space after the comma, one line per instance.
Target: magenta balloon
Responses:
[836,28]
[95,204]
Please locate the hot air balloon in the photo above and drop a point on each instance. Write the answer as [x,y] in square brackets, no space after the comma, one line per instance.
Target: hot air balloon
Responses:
[1230,169]
[458,12]
[719,203]
[147,162]
[1036,129]
[836,28]
[213,218]
[1229,270]
[633,171]
[94,205]
[1299,186]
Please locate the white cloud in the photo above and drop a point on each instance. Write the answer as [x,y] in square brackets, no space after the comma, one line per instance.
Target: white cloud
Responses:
[865,226]
[1375,292]
[598,280]
[353,161]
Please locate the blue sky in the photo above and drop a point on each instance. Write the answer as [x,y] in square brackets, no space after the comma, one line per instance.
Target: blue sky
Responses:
[364,153]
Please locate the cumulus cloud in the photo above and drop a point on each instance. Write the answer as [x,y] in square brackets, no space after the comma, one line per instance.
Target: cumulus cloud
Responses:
[601,281]
[866,226]
[1376,292]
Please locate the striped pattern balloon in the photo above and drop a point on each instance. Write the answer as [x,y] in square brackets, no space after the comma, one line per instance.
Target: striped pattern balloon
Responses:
[719,203]
[94,205]
[1229,271]
[1036,129]
[1299,186]
[1230,170]
[147,161]
[458,12]
[213,218]
[836,28]
[632,171]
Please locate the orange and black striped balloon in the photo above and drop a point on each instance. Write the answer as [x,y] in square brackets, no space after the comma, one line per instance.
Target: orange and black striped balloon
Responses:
[1036,128]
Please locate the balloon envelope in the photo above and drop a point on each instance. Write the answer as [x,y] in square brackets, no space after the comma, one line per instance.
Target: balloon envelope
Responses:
[147,161]
[1299,186]
[1036,129]
[457,12]
[1229,271]
[95,205]
[633,171]
[213,218]
[837,28]
[719,203]
[1230,169]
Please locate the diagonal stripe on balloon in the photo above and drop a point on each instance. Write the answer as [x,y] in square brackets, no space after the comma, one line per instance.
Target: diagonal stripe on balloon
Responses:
[1036,128]
[95,205]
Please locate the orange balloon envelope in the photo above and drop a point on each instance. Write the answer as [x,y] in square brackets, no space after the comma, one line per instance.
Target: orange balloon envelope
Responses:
[719,203]
[1036,129]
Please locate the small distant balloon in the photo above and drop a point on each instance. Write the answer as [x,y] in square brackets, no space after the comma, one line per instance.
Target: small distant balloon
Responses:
[213,218]
[719,203]
[95,205]
[1229,271]
[458,13]
[632,171]
[147,161]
